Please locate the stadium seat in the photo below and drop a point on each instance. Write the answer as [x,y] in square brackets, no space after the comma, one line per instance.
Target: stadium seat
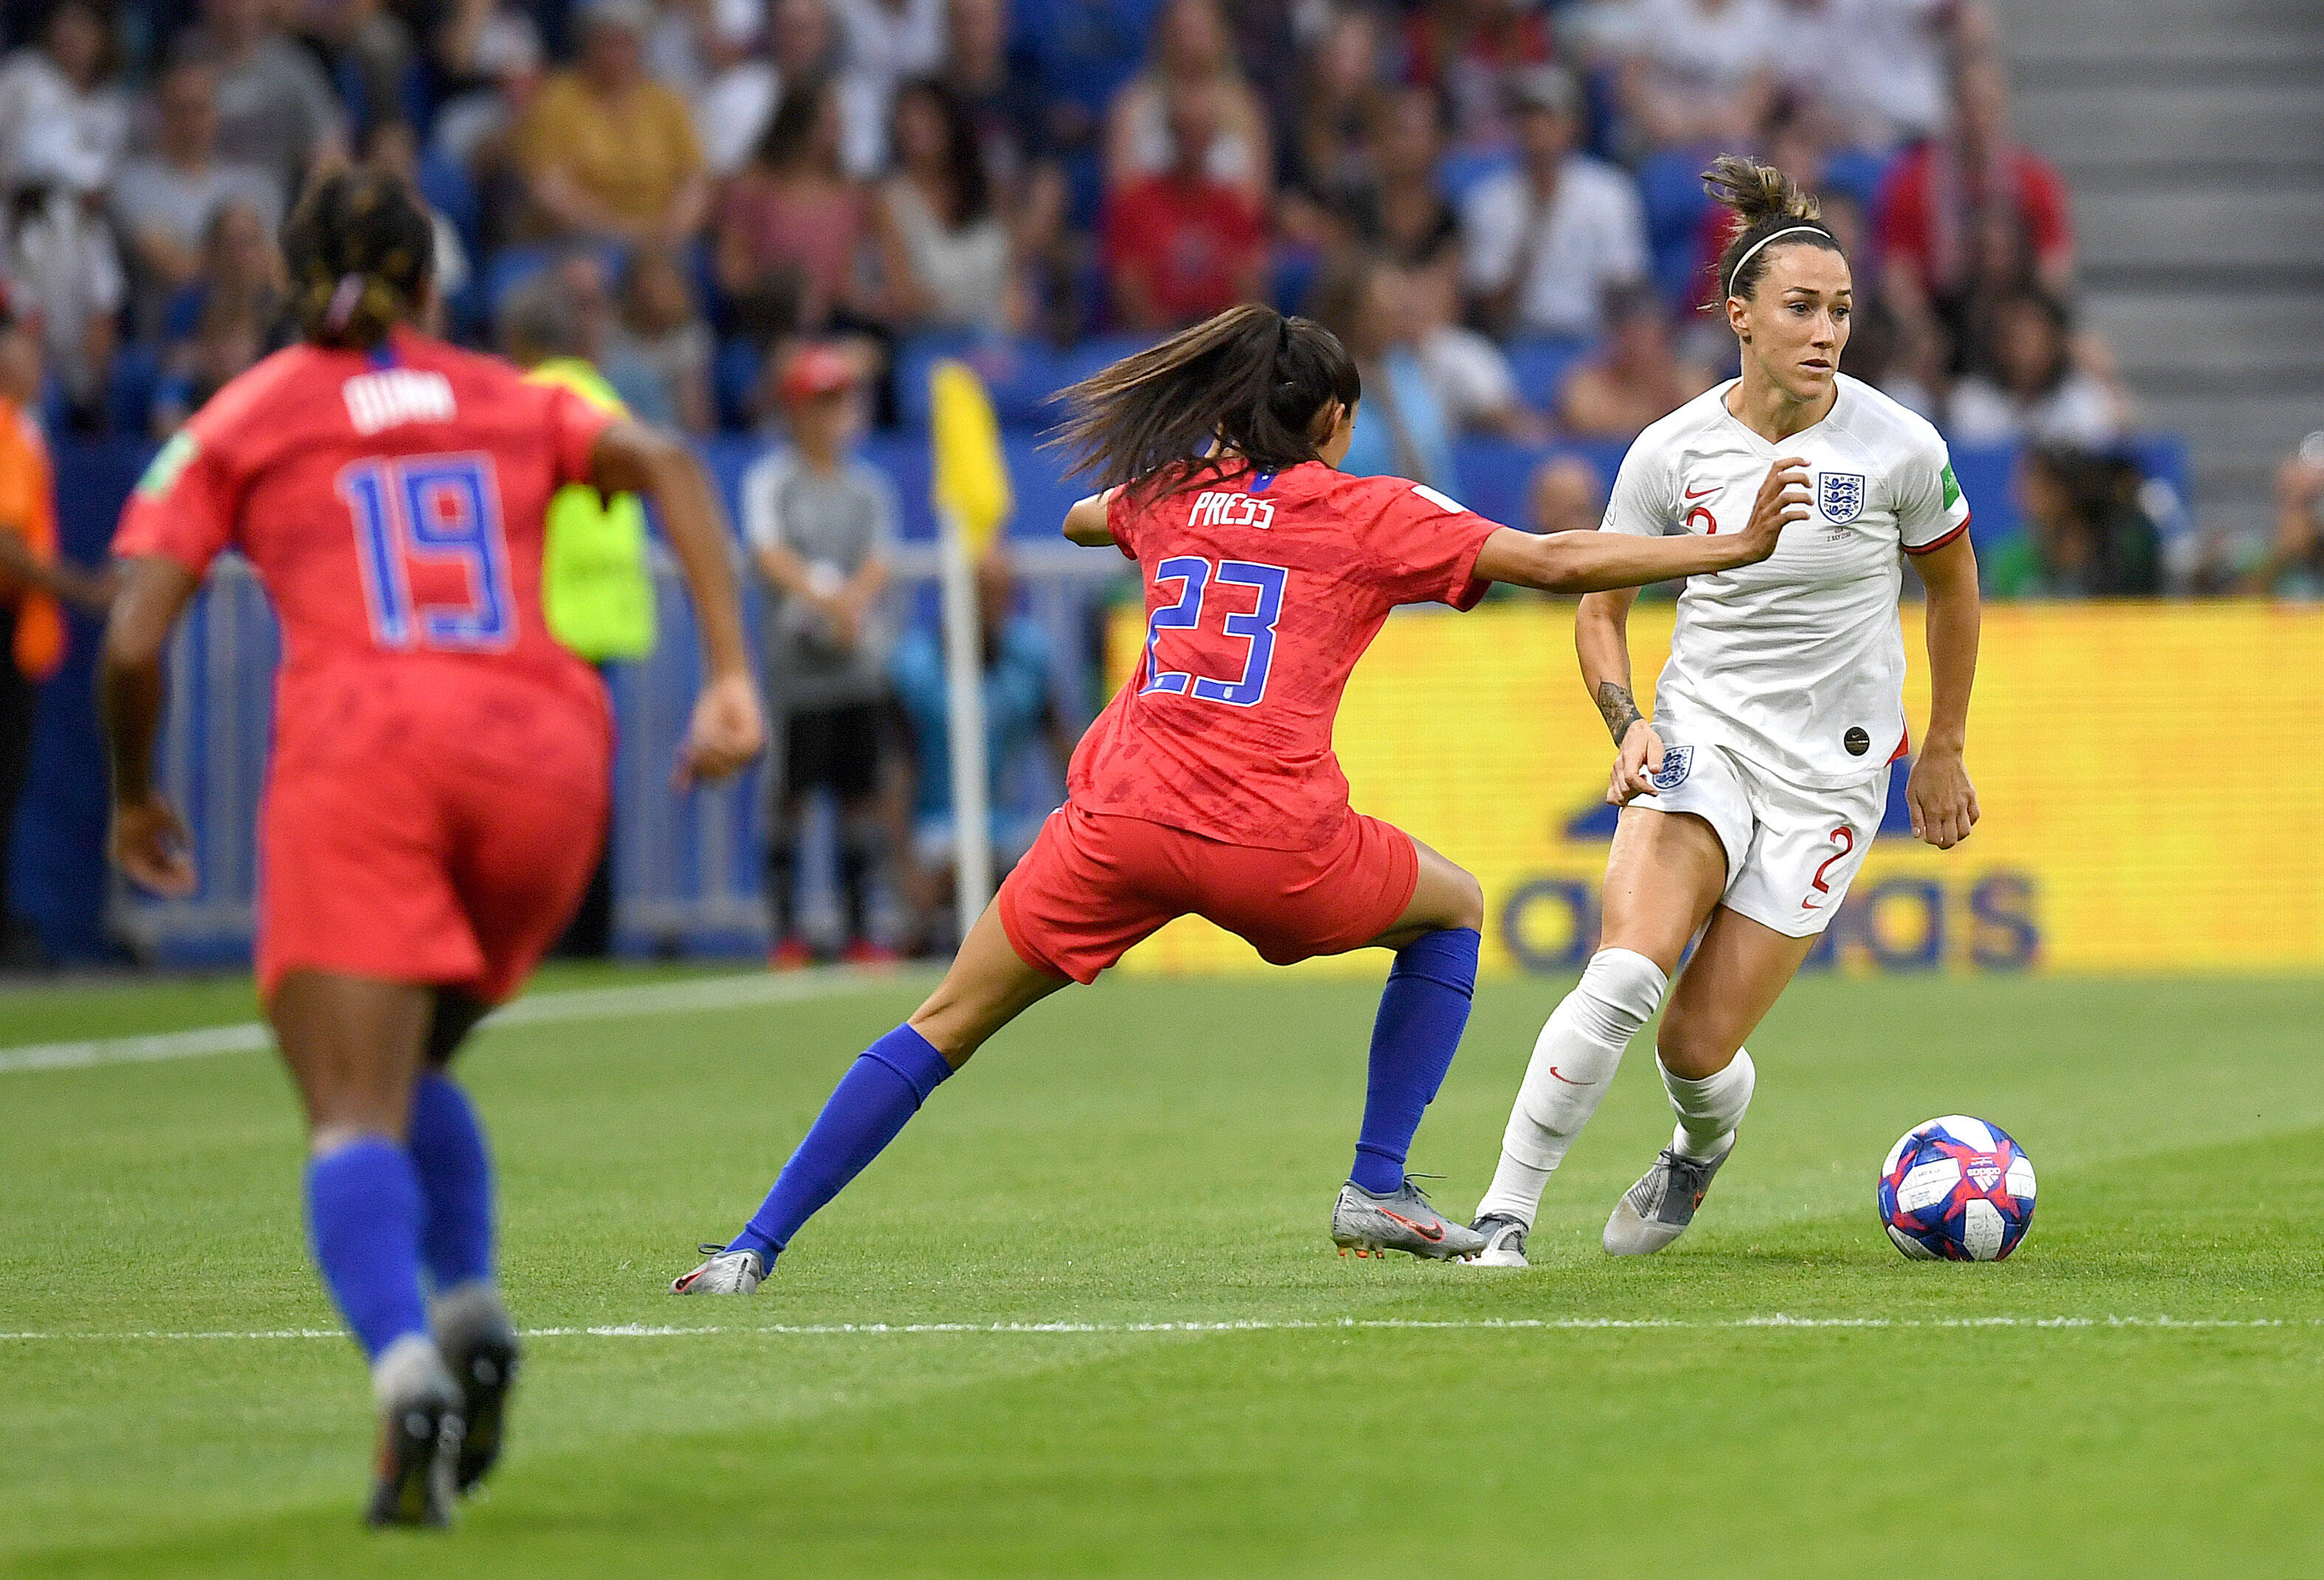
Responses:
[1294,272]
[1461,170]
[130,387]
[1540,363]
[994,358]
[1495,472]
[451,192]
[733,375]
[1855,174]
[1671,192]
[511,267]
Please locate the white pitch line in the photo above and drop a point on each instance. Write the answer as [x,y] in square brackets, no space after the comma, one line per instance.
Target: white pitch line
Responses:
[741,991]
[1775,1321]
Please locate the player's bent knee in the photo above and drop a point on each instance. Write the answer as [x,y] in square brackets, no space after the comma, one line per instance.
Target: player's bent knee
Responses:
[1468,907]
[1690,1048]
[1619,992]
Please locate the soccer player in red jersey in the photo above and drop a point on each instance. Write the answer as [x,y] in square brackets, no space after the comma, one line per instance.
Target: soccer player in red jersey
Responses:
[1208,785]
[438,788]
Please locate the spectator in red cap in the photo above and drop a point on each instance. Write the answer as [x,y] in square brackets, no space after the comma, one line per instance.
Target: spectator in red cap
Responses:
[821,526]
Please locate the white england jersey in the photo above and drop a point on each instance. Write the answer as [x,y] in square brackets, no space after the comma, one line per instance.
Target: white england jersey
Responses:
[1797,663]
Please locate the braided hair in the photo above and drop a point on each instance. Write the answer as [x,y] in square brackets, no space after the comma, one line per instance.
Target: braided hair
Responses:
[360,251]
[1770,206]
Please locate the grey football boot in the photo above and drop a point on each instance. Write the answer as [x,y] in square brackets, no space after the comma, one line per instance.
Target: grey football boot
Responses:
[1374,1225]
[1656,1210]
[480,1348]
[419,1431]
[727,1273]
[1504,1241]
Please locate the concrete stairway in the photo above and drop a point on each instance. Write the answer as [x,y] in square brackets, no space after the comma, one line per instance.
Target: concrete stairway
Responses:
[2191,133]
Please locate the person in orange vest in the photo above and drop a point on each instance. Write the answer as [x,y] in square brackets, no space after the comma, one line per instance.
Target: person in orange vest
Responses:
[34,584]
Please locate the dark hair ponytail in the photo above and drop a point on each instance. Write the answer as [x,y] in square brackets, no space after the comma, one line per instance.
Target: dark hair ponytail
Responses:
[1768,204]
[359,251]
[1249,380]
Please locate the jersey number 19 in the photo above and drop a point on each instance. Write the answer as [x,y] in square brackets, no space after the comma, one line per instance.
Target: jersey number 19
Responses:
[431,509]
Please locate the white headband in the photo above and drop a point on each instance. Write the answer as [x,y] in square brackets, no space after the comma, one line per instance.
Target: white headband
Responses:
[1736,272]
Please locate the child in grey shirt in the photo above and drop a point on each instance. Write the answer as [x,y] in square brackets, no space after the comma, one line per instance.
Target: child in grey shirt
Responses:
[821,525]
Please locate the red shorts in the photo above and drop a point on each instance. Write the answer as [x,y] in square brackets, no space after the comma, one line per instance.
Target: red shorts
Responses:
[1094,885]
[431,840]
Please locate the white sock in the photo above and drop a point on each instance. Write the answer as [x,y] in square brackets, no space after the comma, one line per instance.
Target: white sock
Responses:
[1710,1108]
[408,1365]
[457,1315]
[1573,1064]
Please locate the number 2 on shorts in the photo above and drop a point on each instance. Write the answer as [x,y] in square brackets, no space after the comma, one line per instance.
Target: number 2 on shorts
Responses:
[1197,577]
[1845,838]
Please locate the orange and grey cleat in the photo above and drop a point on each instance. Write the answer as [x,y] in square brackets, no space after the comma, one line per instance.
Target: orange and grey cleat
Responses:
[1373,1226]
[727,1273]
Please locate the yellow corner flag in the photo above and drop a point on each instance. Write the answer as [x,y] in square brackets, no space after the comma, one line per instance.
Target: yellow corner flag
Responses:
[969,481]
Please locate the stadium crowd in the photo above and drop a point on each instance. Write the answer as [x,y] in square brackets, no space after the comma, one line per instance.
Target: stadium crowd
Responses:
[1495,200]
[1495,204]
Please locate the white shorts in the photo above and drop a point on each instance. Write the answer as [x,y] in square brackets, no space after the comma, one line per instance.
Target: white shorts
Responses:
[1791,851]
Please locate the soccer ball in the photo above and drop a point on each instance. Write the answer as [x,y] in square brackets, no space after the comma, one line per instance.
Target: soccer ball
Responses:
[1956,1189]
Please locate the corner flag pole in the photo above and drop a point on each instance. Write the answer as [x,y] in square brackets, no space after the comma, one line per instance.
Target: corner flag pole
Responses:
[969,486]
[964,718]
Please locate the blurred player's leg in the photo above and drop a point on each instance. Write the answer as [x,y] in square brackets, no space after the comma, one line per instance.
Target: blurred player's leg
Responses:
[354,1046]
[524,843]
[1736,973]
[1423,1011]
[988,987]
[1663,877]
[473,1328]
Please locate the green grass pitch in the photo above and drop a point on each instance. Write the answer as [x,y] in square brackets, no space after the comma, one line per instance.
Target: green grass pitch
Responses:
[2136,1393]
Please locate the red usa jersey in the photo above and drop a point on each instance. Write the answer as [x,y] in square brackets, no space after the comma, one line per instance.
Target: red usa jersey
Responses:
[393,502]
[1261,593]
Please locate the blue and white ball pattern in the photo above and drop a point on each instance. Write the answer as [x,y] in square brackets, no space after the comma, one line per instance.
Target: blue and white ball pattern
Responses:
[1956,1190]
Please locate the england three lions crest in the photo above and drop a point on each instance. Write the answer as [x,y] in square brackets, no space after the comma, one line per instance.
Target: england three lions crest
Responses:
[1839,496]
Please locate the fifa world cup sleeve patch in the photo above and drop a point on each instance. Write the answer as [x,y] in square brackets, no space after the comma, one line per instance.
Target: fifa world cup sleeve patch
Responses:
[1952,487]
[168,463]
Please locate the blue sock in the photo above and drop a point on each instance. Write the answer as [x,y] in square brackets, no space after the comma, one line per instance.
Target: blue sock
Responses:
[363,1216]
[1423,1011]
[884,1088]
[455,1183]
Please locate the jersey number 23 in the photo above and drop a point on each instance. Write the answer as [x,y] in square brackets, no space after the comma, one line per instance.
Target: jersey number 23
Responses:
[1198,578]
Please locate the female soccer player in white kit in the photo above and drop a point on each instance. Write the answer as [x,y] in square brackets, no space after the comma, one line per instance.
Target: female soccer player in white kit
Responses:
[1751,797]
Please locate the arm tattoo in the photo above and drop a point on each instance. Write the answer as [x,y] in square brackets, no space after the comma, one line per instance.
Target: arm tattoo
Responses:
[1620,708]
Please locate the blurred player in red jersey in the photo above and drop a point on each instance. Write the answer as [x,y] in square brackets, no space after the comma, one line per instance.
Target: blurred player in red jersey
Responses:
[437,786]
[1209,785]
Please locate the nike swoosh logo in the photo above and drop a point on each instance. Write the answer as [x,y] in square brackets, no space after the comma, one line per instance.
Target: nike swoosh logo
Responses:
[1429,1232]
[1703,493]
[1804,906]
[1568,1080]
